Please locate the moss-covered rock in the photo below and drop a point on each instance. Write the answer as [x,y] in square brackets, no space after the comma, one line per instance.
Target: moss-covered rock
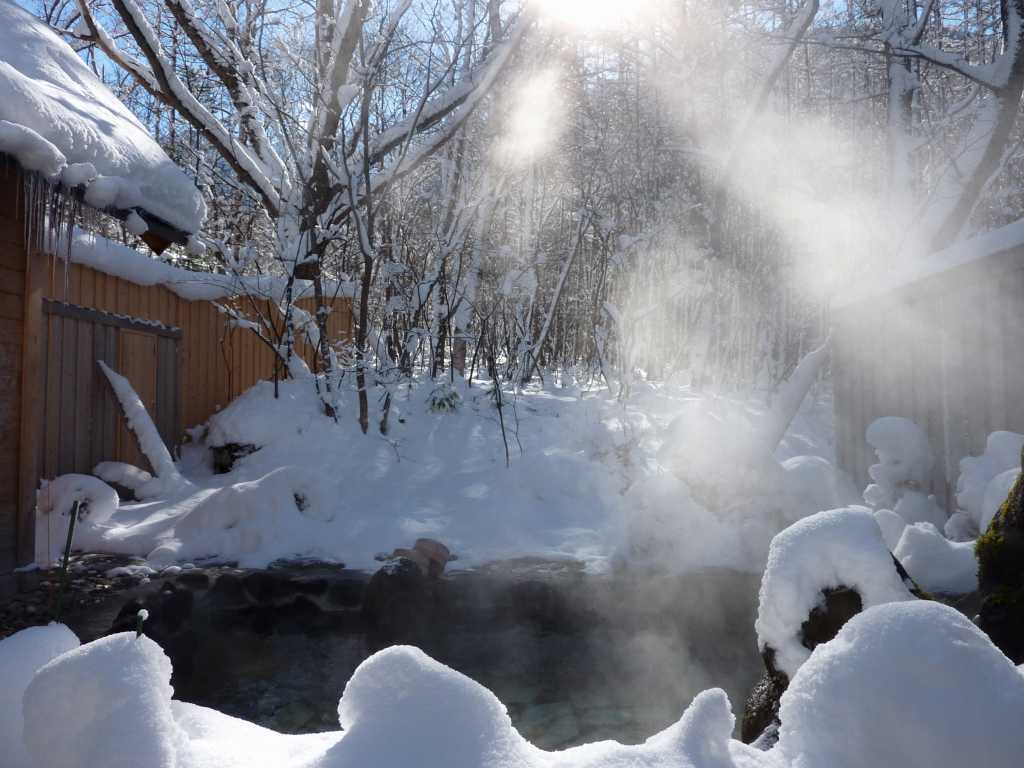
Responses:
[1000,553]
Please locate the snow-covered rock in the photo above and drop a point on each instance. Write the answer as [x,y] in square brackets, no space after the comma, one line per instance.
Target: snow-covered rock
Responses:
[892,526]
[936,563]
[1002,455]
[105,703]
[906,684]
[21,656]
[996,491]
[55,113]
[904,464]
[839,547]
[54,500]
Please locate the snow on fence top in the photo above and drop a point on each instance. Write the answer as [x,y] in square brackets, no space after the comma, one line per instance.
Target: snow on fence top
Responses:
[58,119]
[103,255]
[915,268]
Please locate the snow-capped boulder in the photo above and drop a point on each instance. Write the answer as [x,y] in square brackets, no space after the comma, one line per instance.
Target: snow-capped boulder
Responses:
[829,550]
[105,703]
[21,656]
[936,563]
[904,684]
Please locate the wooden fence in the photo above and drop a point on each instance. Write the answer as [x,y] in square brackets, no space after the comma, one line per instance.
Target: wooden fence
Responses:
[946,352]
[12,328]
[218,362]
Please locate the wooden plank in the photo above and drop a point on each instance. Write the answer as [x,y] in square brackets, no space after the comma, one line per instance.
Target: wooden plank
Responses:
[1013,347]
[111,408]
[82,390]
[955,376]
[12,306]
[89,315]
[54,361]
[66,396]
[98,401]
[137,362]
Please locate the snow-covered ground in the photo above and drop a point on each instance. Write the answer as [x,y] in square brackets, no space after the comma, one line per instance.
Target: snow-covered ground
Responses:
[588,477]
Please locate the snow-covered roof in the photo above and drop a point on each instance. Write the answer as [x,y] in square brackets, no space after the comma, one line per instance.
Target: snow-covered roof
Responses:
[103,255]
[57,118]
[914,269]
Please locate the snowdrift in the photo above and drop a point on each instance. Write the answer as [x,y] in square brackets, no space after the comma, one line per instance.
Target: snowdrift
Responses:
[589,478]
[902,684]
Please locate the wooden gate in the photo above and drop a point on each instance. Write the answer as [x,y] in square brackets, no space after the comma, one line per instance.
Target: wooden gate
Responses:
[82,422]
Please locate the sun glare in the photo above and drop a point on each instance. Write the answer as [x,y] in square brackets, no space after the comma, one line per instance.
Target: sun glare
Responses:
[590,15]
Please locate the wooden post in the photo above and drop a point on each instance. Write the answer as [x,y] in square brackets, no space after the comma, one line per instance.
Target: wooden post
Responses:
[31,401]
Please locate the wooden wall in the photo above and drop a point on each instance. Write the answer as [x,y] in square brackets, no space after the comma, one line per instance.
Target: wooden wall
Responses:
[12,306]
[219,362]
[946,352]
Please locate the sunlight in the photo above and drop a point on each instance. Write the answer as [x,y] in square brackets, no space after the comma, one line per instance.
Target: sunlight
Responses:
[590,15]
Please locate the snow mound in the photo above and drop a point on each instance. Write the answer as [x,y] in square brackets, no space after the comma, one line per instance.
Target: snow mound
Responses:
[122,474]
[106,703]
[892,526]
[903,451]
[1002,455]
[54,500]
[936,563]
[421,700]
[903,468]
[913,684]
[98,501]
[996,492]
[21,656]
[280,418]
[251,521]
[54,112]
[839,547]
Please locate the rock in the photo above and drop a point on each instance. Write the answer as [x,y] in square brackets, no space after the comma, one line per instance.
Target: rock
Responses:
[346,593]
[266,587]
[824,622]
[225,456]
[1000,552]
[194,579]
[761,713]
[227,590]
[397,604]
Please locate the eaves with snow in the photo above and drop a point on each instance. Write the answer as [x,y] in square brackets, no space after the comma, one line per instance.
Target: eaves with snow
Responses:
[58,119]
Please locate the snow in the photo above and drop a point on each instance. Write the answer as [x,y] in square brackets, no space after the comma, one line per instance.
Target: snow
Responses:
[995,494]
[119,260]
[21,656]
[936,563]
[908,683]
[995,467]
[54,112]
[904,465]
[105,703]
[138,420]
[54,500]
[122,474]
[911,268]
[905,684]
[839,547]
[585,482]
[109,703]
[33,151]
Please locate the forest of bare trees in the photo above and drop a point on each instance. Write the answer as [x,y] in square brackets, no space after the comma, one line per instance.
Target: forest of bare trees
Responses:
[683,188]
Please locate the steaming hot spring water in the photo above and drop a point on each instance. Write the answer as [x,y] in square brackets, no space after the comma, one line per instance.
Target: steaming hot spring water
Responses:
[576,653]
[575,657]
